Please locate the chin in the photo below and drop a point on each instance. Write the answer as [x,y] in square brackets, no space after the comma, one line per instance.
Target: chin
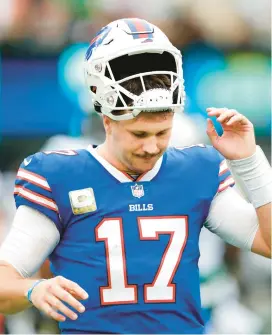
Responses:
[144,166]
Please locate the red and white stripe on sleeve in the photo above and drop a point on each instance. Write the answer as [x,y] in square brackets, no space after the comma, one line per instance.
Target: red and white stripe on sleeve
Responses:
[33,178]
[34,188]
[225,178]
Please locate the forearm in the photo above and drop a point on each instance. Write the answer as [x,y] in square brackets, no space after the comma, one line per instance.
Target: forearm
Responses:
[31,239]
[254,176]
[12,290]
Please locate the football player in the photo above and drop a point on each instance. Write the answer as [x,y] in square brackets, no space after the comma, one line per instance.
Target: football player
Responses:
[121,222]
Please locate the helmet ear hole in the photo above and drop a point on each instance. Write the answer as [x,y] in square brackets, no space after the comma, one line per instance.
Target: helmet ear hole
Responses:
[93,89]
[97,107]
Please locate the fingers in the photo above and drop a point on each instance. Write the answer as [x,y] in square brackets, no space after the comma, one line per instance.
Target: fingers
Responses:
[48,310]
[53,295]
[57,305]
[65,296]
[211,131]
[228,117]
[237,119]
[222,114]
[74,288]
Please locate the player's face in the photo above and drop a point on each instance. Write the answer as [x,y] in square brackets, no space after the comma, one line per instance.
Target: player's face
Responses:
[137,144]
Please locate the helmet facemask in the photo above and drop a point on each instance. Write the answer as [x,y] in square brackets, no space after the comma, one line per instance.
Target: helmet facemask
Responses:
[115,94]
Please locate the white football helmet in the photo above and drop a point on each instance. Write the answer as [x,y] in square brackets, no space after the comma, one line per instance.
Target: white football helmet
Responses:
[126,49]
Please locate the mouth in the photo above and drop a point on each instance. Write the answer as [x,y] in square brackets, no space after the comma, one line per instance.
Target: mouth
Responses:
[148,158]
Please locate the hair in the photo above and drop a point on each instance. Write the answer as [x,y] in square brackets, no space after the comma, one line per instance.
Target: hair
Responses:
[135,86]
[152,81]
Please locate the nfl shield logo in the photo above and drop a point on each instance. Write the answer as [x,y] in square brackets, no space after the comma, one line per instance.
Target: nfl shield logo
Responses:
[137,191]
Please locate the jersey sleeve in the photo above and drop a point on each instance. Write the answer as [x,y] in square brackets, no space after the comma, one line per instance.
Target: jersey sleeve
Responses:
[225,178]
[32,189]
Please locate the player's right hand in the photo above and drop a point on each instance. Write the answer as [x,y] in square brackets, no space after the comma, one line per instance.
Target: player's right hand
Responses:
[49,295]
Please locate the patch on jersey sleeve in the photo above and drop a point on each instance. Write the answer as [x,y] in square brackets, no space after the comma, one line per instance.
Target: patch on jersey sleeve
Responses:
[82,201]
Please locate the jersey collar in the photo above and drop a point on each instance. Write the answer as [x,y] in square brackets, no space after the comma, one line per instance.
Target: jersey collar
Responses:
[122,176]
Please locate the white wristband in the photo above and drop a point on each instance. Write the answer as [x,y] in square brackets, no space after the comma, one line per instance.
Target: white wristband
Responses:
[254,175]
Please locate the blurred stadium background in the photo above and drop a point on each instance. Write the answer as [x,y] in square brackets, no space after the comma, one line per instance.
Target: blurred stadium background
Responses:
[226,47]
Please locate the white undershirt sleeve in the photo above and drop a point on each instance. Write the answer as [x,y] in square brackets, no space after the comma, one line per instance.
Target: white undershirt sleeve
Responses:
[233,219]
[31,239]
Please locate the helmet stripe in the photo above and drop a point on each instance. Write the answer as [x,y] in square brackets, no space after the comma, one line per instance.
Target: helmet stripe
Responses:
[139,28]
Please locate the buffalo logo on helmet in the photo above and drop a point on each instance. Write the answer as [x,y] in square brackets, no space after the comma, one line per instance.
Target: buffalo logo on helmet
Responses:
[97,40]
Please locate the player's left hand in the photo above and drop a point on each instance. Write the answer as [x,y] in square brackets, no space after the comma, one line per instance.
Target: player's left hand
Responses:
[237,140]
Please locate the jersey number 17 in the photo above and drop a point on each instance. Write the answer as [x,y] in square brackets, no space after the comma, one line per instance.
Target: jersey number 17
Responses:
[110,231]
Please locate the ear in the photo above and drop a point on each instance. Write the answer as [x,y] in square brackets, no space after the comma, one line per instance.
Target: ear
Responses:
[107,122]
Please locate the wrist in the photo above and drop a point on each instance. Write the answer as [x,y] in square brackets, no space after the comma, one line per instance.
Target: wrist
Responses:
[245,161]
[254,176]
[30,290]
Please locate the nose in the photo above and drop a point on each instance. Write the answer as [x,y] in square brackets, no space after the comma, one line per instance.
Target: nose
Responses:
[150,146]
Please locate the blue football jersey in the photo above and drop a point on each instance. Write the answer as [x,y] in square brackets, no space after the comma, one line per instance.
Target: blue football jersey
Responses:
[131,244]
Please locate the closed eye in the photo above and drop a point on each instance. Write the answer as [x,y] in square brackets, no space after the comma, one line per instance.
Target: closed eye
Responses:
[161,133]
[143,134]
[140,135]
